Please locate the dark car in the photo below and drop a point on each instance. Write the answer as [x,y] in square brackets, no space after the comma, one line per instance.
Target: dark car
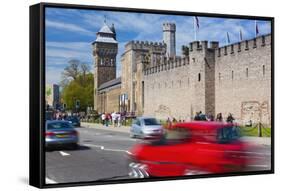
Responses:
[60,133]
[75,121]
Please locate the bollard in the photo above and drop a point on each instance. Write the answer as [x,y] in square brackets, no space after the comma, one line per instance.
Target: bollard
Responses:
[259,130]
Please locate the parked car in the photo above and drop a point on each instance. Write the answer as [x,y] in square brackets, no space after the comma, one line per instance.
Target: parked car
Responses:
[74,120]
[192,148]
[146,127]
[60,133]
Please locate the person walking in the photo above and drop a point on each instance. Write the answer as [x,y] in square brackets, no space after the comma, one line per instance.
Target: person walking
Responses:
[118,117]
[103,118]
[219,117]
[113,116]
[230,118]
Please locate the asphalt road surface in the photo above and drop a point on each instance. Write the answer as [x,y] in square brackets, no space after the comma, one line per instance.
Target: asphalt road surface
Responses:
[101,155]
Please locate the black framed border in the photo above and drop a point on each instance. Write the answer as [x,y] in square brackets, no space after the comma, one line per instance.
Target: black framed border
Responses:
[37,94]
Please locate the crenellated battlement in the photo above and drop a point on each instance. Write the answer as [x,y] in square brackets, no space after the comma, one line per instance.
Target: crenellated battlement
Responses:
[200,45]
[145,45]
[169,27]
[166,63]
[246,45]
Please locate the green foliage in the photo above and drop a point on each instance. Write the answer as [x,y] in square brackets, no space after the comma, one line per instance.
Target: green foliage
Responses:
[82,89]
[253,131]
[48,91]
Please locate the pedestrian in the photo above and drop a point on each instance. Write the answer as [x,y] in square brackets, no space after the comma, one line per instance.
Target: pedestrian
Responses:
[113,116]
[230,118]
[219,117]
[107,118]
[103,118]
[197,117]
[169,123]
[118,117]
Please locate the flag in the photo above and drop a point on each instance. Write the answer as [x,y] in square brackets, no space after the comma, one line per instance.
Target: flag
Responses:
[196,27]
[240,35]
[227,36]
[197,22]
[257,28]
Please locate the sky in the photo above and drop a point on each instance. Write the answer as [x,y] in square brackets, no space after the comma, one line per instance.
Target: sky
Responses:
[70,33]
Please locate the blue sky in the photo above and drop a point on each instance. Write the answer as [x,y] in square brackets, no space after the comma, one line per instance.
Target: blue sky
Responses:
[70,32]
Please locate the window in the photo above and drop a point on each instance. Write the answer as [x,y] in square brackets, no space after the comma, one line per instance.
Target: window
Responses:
[247,72]
[199,77]
[219,76]
[263,70]
[232,74]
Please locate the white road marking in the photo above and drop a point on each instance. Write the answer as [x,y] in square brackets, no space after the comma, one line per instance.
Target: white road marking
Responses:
[50,181]
[106,149]
[64,153]
[117,150]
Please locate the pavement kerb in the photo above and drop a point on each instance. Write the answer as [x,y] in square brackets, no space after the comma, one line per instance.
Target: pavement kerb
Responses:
[123,129]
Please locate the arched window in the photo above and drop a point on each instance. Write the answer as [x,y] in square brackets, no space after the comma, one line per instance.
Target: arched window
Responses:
[199,77]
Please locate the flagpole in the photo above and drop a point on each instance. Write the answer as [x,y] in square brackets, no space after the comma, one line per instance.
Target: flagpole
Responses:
[195,31]
[226,41]
[255,28]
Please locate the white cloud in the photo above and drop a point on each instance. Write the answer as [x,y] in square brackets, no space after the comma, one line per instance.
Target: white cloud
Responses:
[68,27]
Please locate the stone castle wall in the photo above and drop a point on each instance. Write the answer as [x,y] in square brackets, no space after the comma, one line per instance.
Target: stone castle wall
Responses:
[243,80]
[233,79]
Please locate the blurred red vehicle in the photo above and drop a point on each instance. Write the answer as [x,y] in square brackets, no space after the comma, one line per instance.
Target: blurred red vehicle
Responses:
[192,148]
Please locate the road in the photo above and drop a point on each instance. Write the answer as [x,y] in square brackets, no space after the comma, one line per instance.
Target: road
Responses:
[101,155]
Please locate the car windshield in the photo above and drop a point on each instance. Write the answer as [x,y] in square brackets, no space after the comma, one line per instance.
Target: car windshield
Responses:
[228,134]
[58,125]
[173,136]
[72,118]
[151,121]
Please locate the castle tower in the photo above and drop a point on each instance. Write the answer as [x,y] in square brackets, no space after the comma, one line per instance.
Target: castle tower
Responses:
[105,49]
[169,38]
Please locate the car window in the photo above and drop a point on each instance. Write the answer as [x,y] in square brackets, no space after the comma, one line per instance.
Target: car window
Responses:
[136,122]
[228,134]
[58,125]
[151,121]
[173,136]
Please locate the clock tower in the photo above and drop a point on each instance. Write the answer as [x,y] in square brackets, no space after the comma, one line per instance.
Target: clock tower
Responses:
[105,49]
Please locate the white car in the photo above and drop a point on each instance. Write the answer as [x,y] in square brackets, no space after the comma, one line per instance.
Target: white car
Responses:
[146,127]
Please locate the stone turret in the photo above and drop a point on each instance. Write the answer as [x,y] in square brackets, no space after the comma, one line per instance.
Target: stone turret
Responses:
[169,38]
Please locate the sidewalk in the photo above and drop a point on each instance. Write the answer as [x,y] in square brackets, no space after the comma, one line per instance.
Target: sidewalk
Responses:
[258,140]
[123,129]
[126,129]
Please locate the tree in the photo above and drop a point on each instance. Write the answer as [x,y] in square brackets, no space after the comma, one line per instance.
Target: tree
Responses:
[78,84]
[72,71]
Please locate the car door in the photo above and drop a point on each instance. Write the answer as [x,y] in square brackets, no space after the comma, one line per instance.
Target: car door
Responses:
[135,127]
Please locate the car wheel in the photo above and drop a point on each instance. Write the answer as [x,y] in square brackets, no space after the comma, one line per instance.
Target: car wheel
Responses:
[132,135]
[74,146]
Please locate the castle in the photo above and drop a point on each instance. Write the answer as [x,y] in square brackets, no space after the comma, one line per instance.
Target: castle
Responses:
[154,81]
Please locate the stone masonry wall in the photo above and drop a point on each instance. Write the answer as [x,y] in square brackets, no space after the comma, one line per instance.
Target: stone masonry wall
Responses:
[243,80]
